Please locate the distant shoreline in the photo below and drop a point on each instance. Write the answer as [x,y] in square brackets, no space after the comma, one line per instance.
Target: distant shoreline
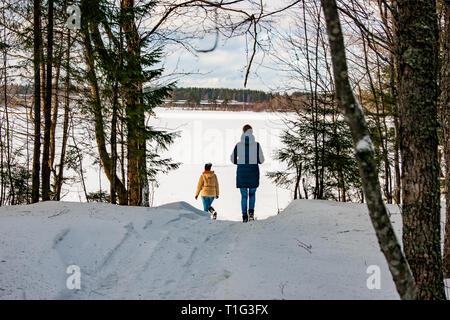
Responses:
[229,108]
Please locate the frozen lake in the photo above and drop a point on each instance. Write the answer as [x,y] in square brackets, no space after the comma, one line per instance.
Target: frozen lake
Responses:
[206,136]
[210,136]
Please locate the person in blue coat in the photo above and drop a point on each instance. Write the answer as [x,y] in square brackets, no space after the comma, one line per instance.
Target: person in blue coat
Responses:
[247,155]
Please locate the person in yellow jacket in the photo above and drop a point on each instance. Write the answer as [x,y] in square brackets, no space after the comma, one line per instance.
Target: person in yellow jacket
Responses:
[208,185]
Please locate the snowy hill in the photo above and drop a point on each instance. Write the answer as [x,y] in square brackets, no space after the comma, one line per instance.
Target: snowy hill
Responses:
[312,250]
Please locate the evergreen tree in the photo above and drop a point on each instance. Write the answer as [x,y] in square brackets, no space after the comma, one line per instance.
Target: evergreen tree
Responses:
[291,155]
[337,166]
[127,62]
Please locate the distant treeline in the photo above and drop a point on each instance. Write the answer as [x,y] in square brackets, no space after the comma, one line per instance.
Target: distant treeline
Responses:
[195,95]
[235,99]
[216,98]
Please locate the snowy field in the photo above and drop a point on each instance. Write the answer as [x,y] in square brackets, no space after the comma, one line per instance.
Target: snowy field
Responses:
[312,250]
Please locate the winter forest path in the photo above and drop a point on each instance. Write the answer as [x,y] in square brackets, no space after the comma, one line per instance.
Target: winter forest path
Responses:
[312,250]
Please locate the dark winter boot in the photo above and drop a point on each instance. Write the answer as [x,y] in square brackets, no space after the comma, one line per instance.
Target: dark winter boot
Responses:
[251,214]
[245,218]
[213,213]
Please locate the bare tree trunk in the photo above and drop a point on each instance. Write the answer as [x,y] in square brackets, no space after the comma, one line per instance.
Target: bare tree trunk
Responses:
[112,190]
[298,176]
[8,132]
[387,165]
[313,105]
[28,196]
[304,188]
[48,108]
[80,158]
[54,117]
[341,186]
[2,185]
[416,50]
[386,16]
[115,106]
[98,115]
[122,151]
[59,178]
[134,111]
[389,244]
[322,157]
[145,188]
[37,101]
[445,105]
[397,188]
[43,77]
[377,118]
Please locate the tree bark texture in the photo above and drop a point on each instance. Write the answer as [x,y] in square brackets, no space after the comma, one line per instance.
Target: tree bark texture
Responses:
[416,50]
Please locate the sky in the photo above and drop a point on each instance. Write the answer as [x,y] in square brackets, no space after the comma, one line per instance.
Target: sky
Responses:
[225,67]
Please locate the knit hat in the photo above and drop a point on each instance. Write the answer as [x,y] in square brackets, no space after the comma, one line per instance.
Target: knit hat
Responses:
[246,127]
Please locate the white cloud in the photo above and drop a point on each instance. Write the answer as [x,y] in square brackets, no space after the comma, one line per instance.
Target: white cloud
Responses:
[223,67]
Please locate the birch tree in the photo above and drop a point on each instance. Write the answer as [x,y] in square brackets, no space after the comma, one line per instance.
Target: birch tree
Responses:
[364,150]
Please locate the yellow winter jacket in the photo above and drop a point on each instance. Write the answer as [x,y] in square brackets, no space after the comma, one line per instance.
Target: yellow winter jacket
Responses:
[208,185]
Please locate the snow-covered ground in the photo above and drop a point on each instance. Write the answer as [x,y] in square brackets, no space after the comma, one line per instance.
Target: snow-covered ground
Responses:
[312,250]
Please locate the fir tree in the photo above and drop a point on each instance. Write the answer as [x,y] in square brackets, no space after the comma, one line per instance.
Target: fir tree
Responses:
[333,162]
[120,66]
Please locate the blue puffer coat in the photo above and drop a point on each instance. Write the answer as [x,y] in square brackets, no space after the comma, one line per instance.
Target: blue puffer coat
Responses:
[247,154]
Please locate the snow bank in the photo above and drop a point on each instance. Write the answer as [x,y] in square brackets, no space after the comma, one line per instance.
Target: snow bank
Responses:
[312,250]
[365,145]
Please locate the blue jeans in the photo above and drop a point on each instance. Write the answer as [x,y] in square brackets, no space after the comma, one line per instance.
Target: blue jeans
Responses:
[207,202]
[247,194]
